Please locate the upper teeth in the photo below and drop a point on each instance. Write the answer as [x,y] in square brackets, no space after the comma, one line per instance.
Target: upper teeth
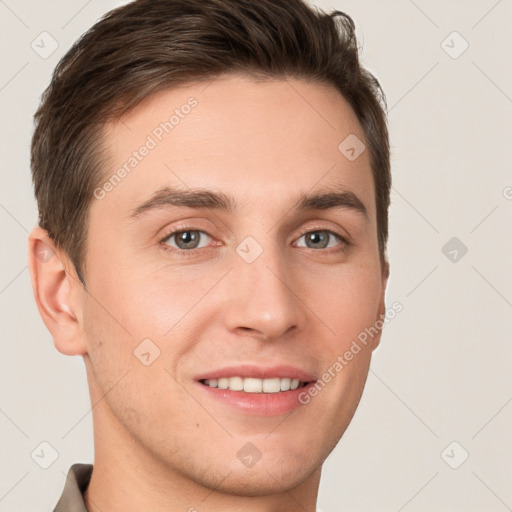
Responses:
[252,385]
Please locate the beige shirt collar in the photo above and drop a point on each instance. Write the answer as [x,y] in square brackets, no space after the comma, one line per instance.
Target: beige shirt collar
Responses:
[72,497]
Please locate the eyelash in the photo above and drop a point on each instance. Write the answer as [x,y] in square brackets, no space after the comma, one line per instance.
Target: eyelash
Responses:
[193,252]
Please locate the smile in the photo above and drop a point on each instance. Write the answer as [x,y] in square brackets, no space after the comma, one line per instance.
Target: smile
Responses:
[254,385]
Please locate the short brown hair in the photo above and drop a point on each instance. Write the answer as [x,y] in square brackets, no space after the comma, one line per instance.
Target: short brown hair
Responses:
[150,45]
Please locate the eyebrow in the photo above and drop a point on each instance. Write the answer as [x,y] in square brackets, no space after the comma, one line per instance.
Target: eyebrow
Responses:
[202,198]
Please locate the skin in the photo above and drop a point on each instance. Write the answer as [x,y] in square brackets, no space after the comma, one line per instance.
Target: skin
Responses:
[160,443]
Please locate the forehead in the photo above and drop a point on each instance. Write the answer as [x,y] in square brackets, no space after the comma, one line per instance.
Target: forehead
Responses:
[258,141]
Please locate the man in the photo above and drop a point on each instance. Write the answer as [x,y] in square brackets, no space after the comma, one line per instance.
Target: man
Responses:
[213,185]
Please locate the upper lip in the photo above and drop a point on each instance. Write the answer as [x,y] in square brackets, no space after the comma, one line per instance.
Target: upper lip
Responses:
[259,372]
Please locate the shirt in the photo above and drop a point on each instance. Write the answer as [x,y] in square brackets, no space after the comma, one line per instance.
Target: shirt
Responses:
[72,497]
[77,480]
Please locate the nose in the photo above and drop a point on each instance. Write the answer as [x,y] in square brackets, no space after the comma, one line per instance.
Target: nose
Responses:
[262,301]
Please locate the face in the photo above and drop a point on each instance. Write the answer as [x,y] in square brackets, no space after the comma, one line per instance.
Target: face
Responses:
[232,283]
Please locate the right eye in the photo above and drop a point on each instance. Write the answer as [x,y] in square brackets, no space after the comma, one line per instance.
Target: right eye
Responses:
[185,240]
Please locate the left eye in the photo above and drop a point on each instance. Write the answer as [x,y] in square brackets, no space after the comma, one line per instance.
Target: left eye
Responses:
[320,239]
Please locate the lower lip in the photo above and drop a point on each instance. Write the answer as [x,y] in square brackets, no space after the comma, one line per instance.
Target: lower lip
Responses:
[258,404]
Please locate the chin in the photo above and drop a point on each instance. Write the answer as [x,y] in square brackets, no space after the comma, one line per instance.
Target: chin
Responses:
[277,468]
[263,480]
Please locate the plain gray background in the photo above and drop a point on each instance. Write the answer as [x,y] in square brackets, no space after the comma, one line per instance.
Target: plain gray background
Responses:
[440,387]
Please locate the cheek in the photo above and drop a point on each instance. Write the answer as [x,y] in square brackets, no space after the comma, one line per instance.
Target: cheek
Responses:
[348,309]
[135,313]
[131,366]
[347,302]
[150,300]
[109,343]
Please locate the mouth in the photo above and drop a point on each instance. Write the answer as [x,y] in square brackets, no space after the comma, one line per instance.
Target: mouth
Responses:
[259,391]
[254,385]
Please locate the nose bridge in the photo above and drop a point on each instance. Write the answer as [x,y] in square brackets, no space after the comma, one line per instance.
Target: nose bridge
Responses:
[262,299]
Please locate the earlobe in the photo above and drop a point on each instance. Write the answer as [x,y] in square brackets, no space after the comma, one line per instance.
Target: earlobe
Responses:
[52,285]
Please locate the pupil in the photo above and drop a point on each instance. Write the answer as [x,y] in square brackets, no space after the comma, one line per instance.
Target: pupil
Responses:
[316,237]
[187,237]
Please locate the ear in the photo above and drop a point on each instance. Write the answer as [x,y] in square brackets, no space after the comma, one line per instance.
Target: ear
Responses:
[57,291]
[381,313]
